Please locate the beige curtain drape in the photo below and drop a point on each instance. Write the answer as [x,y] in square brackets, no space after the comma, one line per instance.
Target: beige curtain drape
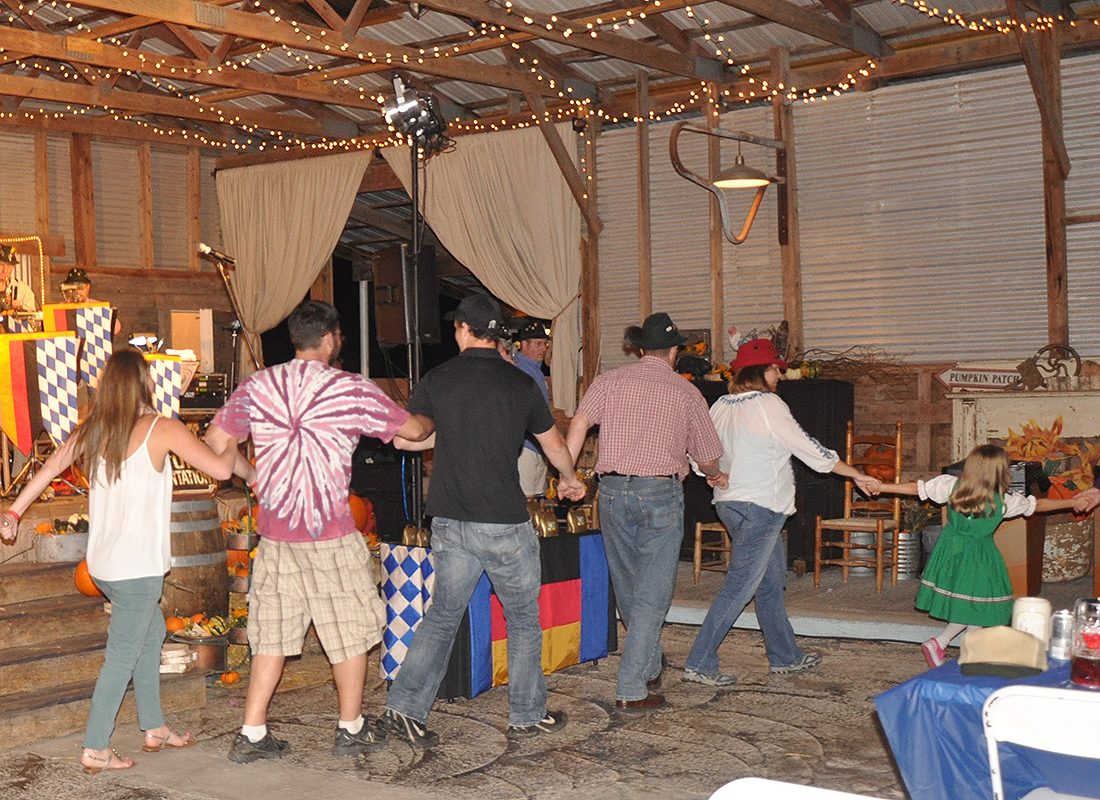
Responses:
[281,222]
[499,203]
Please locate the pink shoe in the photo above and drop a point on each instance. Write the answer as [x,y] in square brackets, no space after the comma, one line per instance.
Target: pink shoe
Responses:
[933,653]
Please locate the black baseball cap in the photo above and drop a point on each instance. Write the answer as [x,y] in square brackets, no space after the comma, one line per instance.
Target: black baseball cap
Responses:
[480,312]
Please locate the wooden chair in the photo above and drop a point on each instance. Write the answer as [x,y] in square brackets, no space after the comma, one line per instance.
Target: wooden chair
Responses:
[722,546]
[882,517]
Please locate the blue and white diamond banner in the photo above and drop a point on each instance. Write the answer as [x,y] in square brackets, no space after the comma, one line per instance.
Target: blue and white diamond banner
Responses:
[93,325]
[167,373]
[407,580]
[57,381]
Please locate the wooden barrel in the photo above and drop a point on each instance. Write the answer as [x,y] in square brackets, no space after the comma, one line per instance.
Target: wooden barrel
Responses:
[199,578]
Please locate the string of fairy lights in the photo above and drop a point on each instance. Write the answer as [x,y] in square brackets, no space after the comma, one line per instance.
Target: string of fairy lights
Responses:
[339,68]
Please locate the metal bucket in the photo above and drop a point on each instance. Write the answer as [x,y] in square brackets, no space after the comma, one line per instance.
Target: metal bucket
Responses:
[909,556]
[861,537]
[199,578]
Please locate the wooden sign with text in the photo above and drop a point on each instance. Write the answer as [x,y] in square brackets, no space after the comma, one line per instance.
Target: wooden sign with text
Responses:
[962,378]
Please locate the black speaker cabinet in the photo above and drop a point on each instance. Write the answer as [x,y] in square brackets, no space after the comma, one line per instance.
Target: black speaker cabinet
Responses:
[390,266]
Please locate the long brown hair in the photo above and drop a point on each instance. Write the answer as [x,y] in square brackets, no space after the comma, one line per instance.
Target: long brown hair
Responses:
[123,397]
[984,477]
[749,379]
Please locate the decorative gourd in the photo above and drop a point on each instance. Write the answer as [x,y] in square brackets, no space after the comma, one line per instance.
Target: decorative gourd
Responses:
[879,461]
[84,583]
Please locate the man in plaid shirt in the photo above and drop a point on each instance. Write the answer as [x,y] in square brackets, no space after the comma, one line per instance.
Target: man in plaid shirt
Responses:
[650,421]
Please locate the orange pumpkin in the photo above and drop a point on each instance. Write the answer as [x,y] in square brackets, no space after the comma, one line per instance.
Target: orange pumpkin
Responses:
[174,624]
[360,511]
[44,527]
[84,583]
[197,618]
[879,462]
[230,677]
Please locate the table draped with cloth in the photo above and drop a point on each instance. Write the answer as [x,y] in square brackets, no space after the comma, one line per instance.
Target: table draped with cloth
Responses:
[934,725]
[576,613]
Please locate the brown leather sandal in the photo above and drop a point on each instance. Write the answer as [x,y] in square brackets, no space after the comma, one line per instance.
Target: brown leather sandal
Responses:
[109,762]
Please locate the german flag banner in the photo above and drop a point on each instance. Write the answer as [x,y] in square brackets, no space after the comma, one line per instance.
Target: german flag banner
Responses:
[38,381]
[92,322]
[167,372]
[576,613]
[573,612]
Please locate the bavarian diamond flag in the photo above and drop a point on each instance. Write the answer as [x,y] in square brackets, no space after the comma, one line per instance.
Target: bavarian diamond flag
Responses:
[92,323]
[167,374]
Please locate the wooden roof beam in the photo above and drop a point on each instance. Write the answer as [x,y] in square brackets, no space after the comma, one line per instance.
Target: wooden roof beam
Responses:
[135,103]
[264,27]
[850,36]
[80,51]
[606,43]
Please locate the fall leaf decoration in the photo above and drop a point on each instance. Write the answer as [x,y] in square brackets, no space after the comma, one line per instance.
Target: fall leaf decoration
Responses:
[1039,444]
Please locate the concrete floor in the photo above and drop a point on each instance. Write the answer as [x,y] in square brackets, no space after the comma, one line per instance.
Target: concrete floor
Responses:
[817,727]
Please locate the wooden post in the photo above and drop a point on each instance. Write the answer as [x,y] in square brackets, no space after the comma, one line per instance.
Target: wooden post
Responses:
[145,204]
[590,265]
[714,161]
[790,251]
[322,288]
[1054,195]
[42,206]
[194,207]
[645,243]
[80,165]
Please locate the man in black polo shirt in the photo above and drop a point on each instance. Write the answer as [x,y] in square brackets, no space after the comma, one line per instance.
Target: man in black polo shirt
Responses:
[481,408]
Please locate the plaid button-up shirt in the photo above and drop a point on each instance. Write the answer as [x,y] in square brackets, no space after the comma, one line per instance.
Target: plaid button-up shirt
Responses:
[650,420]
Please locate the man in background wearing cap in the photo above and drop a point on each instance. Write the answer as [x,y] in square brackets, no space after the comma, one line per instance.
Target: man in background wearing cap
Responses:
[480,407]
[650,421]
[17,296]
[534,340]
[75,289]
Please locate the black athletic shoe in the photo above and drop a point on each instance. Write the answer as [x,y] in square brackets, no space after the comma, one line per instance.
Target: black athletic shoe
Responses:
[407,729]
[244,750]
[352,744]
[553,722]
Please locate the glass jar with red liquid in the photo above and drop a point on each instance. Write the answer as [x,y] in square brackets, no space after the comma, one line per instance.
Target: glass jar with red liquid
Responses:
[1085,652]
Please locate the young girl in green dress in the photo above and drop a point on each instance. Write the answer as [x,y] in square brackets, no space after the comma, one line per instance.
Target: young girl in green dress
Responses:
[966,581]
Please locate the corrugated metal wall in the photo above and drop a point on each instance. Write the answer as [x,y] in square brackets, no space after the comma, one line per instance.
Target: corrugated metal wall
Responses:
[117,204]
[169,169]
[117,209]
[922,222]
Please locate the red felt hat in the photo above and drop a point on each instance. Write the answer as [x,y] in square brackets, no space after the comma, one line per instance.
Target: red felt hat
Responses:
[758,351]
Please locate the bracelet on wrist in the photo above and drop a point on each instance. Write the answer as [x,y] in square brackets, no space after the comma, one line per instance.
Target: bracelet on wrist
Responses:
[12,514]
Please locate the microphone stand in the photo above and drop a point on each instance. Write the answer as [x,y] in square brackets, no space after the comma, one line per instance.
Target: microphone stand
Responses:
[223,270]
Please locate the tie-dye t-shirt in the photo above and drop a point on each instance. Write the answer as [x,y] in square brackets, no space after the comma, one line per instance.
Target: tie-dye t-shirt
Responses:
[305,419]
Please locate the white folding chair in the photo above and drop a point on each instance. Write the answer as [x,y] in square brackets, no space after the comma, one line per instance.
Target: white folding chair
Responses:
[764,789]
[1043,718]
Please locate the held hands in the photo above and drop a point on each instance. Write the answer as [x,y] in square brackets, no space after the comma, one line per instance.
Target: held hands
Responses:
[1086,501]
[570,487]
[871,487]
[719,481]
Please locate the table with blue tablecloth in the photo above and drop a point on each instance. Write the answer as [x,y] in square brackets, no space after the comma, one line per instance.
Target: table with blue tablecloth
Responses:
[576,613]
[934,725]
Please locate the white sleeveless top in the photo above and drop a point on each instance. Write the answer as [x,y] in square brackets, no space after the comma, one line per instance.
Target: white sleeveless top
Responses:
[129,521]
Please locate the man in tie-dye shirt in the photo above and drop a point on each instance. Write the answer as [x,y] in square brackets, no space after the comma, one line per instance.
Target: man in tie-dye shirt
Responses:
[305,418]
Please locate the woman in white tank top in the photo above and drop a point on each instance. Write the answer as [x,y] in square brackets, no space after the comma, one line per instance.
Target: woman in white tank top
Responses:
[124,445]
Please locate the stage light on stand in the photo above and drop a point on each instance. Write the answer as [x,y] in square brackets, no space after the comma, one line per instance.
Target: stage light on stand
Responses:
[416,117]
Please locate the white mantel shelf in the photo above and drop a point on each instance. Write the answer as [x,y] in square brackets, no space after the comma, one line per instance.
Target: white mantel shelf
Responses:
[977,417]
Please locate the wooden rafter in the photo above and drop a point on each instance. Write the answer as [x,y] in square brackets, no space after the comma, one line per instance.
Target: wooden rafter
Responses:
[847,35]
[262,27]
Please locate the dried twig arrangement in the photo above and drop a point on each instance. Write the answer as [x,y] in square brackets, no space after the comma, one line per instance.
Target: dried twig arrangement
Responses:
[860,362]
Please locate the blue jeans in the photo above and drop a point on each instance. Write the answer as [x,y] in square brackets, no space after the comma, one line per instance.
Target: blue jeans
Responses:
[642,521]
[134,637]
[758,567]
[461,551]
